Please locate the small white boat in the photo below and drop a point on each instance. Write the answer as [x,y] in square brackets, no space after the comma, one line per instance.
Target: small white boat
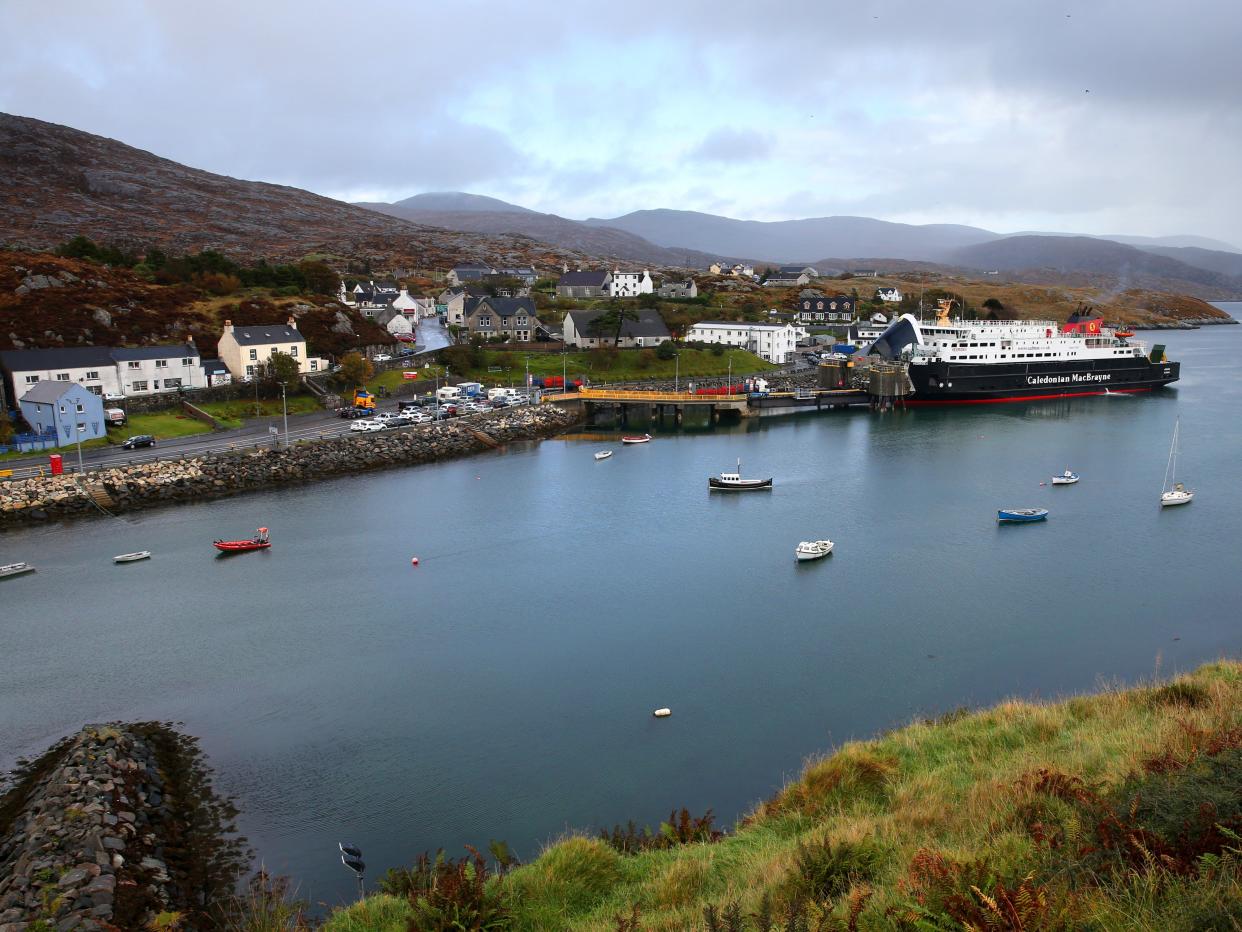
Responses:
[645,438]
[662,713]
[15,569]
[603,454]
[132,557]
[1066,478]
[813,549]
[1177,493]
[733,482]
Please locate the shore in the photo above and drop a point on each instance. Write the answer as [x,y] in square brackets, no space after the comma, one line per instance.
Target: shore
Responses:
[214,475]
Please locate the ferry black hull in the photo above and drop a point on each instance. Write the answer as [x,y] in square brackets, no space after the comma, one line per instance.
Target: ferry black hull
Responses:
[963,383]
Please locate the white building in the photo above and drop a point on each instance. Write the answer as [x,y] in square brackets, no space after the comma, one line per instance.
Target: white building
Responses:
[245,350]
[891,295]
[414,305]
[774,342]
[630,284]
[112,372]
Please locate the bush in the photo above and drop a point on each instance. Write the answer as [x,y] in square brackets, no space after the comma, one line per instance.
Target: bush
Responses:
[718,349]
[666,350]
[645,359]
[824,871]
[448,894]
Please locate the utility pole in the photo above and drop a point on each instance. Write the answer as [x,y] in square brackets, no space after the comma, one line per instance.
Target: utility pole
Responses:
[285,409]
[677,372]
[78,432]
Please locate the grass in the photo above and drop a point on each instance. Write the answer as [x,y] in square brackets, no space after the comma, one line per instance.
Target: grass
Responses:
[1023,816]
[162,425]
[626,365]
[231,413]
[378,913]
[69,452]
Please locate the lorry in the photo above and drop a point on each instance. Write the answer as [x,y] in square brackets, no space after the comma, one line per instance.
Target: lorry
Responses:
[363,400]
[469,389]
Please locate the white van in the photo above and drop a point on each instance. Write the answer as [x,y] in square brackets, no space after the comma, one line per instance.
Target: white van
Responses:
[448,393]
[508,394]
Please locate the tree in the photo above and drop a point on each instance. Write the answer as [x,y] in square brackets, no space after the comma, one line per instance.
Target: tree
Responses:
[6,427]
[356,370]
[666,350]
[612,322]
[319,277]
[283,369]
[995,308]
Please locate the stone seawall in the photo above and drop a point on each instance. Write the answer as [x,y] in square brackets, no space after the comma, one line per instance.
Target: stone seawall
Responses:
[218,474]
[111,827]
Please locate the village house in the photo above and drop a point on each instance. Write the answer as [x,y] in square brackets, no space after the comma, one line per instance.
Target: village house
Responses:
[582,284]
[401,326]
[111,372]
[864,273]
[774,342]
[581,329]
[514,318]
[245,349]
[414,306]
[796,270]
[216,373]
[889,295]
[630,284]
[469,272]
[815,308]
[68,410]
[523,273]
[783,280]
[686,289]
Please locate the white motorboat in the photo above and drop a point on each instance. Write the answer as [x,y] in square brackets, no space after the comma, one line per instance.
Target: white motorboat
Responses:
[132,557]
[1177,493]
[603,454]
[1066,478]
[813,549]
[15,569]
[644,438]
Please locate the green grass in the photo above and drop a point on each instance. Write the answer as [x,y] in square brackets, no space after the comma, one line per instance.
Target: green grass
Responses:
[69,452]
[958,818]
[378,913]
[626,365]
[162,425]
[231,413]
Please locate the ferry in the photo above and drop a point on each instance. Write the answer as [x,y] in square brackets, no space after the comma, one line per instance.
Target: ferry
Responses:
[975,361]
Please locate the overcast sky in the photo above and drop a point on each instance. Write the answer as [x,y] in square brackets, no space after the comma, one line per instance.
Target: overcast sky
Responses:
[1091,116]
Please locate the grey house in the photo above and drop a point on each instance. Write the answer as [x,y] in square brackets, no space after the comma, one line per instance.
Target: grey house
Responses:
[514,318]
[69,409]
[686,289]
[584,284]
[648,330]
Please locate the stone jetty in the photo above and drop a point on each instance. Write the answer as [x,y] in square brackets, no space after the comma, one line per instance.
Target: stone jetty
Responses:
[126,488]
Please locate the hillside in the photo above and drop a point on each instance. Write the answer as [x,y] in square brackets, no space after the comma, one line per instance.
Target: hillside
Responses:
[449,202]
[47,301]
[1115,811]
[57,182]
[547,228]
[1214,260]
[1095,261]
[786,241]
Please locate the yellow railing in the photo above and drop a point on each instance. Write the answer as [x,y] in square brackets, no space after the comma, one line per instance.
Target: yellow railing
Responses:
[604,394]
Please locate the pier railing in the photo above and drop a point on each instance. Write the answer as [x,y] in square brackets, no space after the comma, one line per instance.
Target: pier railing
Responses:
[653,397]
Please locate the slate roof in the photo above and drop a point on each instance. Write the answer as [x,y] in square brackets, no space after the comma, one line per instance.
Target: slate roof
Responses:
[49,391]
[214,367]
[166,351]
[68,357]
[266,333]
[503,307]
[583,279]
[649,324]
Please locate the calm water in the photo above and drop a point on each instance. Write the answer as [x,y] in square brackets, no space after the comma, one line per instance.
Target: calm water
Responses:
[503,689]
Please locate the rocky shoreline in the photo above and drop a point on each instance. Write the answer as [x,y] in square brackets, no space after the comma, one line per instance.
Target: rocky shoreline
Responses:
[112,827]
[127,488]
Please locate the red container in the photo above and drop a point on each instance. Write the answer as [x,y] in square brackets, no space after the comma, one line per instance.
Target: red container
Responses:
[58,466]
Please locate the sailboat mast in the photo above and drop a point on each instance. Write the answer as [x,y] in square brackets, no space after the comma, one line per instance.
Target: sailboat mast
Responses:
[1171,466]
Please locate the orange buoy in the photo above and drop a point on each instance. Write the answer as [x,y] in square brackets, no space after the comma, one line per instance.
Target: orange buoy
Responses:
[414,561]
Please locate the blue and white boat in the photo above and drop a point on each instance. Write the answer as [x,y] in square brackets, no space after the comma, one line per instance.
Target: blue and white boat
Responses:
[1021,515]
[1066,478]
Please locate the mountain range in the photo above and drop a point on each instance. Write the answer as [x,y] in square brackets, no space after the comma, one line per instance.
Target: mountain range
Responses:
[57,182]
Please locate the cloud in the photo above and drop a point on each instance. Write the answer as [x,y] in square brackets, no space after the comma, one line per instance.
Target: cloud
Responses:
[1009,115]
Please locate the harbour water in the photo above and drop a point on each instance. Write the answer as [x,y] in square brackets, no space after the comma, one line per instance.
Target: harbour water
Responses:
[504,687]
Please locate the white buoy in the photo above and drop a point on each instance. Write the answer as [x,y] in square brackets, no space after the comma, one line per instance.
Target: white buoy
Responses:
[414,561]
[662,713]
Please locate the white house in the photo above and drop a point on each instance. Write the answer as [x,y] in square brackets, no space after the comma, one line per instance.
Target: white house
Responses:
[414,305]
[148,370]
[246,349]
[648,330]
[891,295]
[108,371]
[773,342]
[630,284]
[397,323]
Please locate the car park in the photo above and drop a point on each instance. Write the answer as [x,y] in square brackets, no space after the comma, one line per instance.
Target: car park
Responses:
[141,440]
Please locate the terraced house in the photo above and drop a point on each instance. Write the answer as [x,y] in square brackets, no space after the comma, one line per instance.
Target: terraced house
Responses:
[112,372]
[514,318]
[246,349]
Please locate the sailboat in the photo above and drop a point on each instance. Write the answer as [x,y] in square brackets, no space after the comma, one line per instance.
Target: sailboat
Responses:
[1177,493]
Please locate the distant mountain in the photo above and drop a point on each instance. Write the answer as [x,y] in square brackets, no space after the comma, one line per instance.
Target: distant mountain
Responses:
[1146,242]
[786,241]
[547,228]
[57,182]
[452,202]
[1214,260]
[1085,258]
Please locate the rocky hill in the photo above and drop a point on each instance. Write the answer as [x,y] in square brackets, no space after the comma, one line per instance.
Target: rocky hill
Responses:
[57,182]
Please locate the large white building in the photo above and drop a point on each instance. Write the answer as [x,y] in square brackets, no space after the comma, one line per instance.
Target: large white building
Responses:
[773,342]
[630,284]
[112,372]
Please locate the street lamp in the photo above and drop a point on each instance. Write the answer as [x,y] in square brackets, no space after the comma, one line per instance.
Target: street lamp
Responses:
[81,429]
[351,857]
[285,409]
[676,372]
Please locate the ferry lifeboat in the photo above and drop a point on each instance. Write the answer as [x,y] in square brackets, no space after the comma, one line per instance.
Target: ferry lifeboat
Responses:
[260,541]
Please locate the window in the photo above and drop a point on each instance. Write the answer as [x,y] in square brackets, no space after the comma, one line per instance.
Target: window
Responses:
[254,354]
[293,351]
[188,361]
[161,363]
[155,386]
[314,365]
[81,409]
[250,370]
[172,383]
[62,376]
[31,379]
[92,376]
[138,386]
[135,364]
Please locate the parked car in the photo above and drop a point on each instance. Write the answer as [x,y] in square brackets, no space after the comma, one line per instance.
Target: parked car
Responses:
[113,396]
[418,417]
[381,357]
[401,420]
[141,440]
[364,426]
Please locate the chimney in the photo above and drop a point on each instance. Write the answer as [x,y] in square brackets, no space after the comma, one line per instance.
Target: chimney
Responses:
[228,326]
[293,324]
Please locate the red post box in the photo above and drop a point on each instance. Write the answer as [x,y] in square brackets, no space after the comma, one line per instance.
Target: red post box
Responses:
[58,467]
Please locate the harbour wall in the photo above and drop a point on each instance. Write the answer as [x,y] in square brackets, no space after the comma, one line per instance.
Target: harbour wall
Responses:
[127,488]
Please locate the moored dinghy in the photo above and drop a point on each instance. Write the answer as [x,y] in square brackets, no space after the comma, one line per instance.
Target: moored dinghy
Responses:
[15,569]
[644,438]
[1021,515]
[260,541]
[132,557]
[1066,478]
[603,454]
